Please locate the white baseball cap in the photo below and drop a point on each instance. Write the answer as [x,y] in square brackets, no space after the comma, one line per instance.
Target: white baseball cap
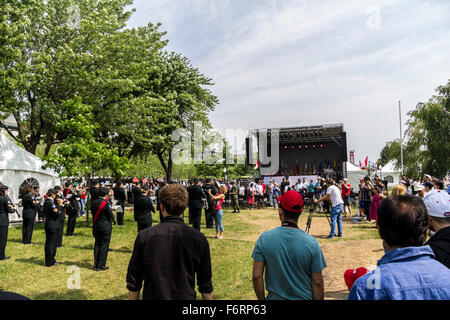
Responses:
[419,187]
[438,204]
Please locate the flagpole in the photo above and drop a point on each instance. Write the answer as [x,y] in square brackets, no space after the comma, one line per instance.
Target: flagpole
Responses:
[401,136]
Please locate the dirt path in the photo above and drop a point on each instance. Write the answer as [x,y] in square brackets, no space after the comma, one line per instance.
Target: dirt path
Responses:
[360,246]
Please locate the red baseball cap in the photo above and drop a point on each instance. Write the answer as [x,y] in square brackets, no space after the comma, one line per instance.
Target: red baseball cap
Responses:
[291,201]
[351,275]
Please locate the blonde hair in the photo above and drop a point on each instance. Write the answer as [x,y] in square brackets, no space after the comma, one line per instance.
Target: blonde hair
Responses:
[399,190]
[222,189]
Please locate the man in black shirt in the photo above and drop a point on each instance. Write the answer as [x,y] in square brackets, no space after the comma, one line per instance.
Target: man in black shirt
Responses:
[119,195]
[143,208]
[196,195]
[168,256]
[161,185]
[51,227]
[5,209]
[102,228]
[71,209]
[438,207]
[210,211]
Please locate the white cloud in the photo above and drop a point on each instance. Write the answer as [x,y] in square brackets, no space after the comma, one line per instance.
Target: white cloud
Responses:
[284,63]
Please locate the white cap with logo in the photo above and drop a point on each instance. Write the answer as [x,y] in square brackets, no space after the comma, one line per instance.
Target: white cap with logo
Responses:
[438,204]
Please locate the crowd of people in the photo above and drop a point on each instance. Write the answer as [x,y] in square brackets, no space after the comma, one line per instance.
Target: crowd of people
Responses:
[413,222]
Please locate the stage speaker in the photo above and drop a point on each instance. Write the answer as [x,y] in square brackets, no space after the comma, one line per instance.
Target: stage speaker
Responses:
[344,146]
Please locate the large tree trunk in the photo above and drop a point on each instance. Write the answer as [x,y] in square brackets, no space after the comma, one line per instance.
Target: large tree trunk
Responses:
[167,167]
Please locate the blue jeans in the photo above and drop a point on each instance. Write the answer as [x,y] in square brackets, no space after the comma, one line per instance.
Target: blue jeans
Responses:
[336,212]
[218,219]
[273,202]
[83,204]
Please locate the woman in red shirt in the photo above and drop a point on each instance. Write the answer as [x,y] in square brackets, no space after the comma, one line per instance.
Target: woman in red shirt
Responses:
[218,200]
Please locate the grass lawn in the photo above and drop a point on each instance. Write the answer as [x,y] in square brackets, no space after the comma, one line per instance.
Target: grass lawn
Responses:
[26,274]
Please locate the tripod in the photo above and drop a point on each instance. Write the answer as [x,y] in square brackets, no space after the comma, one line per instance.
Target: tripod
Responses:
[312,207]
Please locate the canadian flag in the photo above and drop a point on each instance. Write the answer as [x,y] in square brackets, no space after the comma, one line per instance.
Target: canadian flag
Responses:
[256,165]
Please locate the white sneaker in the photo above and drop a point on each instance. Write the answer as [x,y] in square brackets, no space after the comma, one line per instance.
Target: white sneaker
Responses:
[221,237]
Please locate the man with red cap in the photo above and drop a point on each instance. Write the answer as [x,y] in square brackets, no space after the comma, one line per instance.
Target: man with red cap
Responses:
[291,259]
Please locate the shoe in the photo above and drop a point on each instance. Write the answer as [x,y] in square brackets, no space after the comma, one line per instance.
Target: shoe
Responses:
[57,263]
[330,237]
[110,249]
[234,211]
[60,246]
[339,236]
[5,258]
[220,238]
[102,269]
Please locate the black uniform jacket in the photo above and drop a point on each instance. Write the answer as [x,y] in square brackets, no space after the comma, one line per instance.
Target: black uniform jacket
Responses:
[29,208]
[119,194]
[72,208]
[5,210]
[213,189]
[440,244]
[142,207]
[105,217]
[51,214]
[195,196]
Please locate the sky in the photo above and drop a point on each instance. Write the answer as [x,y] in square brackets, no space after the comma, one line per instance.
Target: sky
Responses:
[286,63]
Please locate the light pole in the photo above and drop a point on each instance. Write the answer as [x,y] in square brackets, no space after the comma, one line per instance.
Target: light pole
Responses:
[401,135]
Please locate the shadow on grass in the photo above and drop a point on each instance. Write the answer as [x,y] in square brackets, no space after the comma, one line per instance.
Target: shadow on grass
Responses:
[123,250]
[20,241]
[65,295]
[33,260]
[121,297]
[84,264]
[337,295]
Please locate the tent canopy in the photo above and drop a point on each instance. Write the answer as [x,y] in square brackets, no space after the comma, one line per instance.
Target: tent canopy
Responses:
[17,166]
[354,174]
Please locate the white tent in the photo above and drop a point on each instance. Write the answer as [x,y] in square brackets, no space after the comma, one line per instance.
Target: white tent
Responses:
[354,174]
[17,166]
[390,173]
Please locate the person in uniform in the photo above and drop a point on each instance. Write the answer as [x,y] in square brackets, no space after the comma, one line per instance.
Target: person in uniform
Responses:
[29,205]
[93,191]
[119,195]
[61,218]
[143,207]
[196,196]
[71,209]
[37,196]
[51,226]
[210,211]
[234,193]
[6,207]
[102,228]
[158,204]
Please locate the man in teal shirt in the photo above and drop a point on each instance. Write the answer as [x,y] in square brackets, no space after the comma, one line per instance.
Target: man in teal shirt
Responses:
[292,259]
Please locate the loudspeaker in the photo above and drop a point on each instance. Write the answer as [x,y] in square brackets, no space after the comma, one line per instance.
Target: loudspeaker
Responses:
[344,146]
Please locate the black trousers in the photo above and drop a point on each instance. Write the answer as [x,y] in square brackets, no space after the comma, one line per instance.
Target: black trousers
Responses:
[71,222]
[3,241]
[101,246]
[142,226]
[366,205]
[196,216]
[51,243]
[60,233]
[27,229]
[120,215]
[209,217]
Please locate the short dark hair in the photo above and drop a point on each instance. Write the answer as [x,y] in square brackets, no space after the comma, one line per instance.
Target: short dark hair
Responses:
[441,220]
[68,184]
[174,198]
[195,181]
[403,221]
[290,215]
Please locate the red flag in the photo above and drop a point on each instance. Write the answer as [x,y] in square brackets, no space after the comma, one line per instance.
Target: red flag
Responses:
[360,165]
[367,158]
[257,165]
